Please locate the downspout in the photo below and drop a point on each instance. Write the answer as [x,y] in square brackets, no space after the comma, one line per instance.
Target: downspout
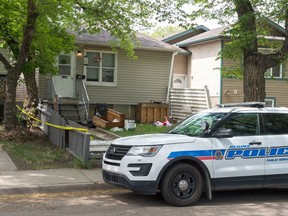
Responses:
[170,76]
[221,74]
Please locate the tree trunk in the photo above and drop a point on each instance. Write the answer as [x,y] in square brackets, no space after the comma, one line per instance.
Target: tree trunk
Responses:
[31,101]
[254,80]
[13,74]
[10,100]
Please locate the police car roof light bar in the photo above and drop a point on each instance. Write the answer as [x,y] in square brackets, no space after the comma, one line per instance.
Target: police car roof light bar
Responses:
[245,104]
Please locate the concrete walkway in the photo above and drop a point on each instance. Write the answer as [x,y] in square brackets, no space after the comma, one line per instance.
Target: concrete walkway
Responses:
[13,181]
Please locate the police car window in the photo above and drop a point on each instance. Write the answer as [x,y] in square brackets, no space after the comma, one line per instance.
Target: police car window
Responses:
[192,125]
[276,123]
[243,124]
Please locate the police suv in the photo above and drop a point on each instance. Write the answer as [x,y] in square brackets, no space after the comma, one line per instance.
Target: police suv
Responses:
[236,146]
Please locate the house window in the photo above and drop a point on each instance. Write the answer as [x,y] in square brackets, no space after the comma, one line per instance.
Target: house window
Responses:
[269,102]
[100,68]
[274,72]
[64,64]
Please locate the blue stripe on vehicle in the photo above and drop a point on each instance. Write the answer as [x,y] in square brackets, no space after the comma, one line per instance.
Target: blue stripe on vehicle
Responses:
[195,153]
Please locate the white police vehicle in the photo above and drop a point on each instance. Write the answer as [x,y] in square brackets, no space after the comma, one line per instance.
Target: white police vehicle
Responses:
[236,146]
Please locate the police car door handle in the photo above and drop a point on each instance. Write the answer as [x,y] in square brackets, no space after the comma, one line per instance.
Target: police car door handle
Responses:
[255,143]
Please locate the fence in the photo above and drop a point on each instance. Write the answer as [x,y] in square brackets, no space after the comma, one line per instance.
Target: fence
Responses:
[184,102]
[76,142]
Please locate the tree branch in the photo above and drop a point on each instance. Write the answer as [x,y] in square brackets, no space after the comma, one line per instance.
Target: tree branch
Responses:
[246,16]
[29,33]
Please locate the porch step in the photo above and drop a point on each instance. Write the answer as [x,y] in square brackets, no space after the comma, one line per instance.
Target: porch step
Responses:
[74,112]
[68,101]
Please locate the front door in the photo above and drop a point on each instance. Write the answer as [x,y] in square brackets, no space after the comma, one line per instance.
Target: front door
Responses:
[276,136]
[64,83]
[179,81]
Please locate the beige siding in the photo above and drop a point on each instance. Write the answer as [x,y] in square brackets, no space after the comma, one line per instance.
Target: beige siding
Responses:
[232,91]
[139,80]
[180,64]
[5,53]
[228,63]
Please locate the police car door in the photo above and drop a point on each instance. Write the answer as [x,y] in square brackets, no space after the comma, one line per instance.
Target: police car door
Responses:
[276,135]
[239,160]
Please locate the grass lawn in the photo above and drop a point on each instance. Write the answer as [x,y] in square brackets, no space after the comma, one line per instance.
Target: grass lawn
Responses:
[142,129]
[32,151]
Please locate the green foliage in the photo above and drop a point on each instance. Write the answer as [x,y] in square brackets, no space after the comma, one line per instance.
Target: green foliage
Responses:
[57,18]
[232,72]
[164,31]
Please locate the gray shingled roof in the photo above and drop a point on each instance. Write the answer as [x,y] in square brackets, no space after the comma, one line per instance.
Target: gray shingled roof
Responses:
[220,33]
[105,37]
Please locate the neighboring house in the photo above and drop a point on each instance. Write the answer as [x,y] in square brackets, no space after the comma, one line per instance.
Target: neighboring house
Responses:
[204,67]
[107,77]
[182,63]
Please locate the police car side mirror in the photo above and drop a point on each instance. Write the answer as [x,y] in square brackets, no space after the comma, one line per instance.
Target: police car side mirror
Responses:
[223,133]
[205,126]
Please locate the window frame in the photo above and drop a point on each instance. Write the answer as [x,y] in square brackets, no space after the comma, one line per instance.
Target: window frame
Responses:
[276,122]
[70,63]
[271,99]
[100,82]
[270,71]
[232,116]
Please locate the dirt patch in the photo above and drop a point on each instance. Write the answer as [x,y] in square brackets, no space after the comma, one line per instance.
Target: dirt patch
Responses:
[21,134]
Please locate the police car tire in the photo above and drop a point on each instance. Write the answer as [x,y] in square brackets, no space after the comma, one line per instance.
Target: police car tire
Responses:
[185,176]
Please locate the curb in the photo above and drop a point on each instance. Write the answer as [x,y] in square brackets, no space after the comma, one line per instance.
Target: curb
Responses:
[56,188]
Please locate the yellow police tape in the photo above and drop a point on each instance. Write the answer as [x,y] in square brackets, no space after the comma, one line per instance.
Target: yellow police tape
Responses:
[53,125]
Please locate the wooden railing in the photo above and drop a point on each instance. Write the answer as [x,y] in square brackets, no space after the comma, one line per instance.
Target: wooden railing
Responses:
[184,102]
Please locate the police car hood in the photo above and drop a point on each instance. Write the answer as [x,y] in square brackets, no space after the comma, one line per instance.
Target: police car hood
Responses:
[153,139]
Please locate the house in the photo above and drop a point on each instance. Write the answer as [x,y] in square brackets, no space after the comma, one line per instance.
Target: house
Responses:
[95,76]
[201,65]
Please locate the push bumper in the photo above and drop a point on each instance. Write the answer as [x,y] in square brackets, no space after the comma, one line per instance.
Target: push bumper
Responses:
[142,187]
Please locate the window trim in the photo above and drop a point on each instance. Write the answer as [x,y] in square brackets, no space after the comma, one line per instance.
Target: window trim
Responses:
[258,126]
[100,83]
[271,50]
[270,71]
[70,64]
[273,99]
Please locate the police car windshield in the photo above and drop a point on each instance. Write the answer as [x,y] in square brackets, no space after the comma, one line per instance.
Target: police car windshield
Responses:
[192,125]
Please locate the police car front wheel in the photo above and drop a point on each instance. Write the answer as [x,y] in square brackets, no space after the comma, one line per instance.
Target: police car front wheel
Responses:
[182,185]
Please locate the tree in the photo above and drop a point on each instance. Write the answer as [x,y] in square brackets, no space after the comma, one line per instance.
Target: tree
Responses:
[33,30]
[161,32]
[244,18]
[11,33]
